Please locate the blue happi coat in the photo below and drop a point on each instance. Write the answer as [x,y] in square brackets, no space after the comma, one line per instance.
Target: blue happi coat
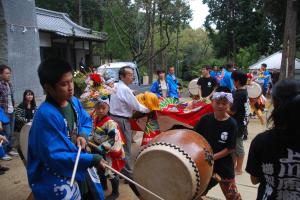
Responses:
[173,85]
[51,154]
[156,88]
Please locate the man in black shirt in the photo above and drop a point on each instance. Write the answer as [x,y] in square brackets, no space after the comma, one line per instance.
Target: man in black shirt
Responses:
[220,130]
[207,84]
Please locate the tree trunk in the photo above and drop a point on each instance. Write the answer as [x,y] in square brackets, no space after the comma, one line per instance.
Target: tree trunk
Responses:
[151,51]
[80,12]
[230,32]
[101,19]
[161,42]
[177,41]
[287,69]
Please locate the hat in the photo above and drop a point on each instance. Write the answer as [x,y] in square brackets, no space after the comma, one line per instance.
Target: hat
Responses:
[110,80]
[218,95]
[103,99]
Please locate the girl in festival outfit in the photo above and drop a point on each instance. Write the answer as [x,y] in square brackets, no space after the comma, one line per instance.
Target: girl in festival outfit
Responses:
[25,110]
[109,140]
[257,105]
[274,155]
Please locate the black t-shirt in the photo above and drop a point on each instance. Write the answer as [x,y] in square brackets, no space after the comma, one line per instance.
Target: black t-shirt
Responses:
[220,135]
[207,85]
[274,157]
[241,108]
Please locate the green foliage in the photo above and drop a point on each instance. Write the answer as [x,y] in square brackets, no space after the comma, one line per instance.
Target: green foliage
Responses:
[246,56]
[79,84]
[215,62]
[239,24]
[194,48]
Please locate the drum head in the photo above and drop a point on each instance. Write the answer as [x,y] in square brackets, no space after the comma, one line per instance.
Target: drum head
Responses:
[193,87]
[167,172]
[24,134]
[254,90]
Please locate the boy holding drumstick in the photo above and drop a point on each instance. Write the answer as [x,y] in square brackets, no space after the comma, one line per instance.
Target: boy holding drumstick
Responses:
[220,130]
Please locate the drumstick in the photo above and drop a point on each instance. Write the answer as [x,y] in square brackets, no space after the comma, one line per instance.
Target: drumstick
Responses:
[133,182]
[93,145]
[75,166]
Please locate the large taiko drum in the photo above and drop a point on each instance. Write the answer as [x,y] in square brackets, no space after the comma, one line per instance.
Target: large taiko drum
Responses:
[194,88]
[24,135]
[175,165]
[254,90]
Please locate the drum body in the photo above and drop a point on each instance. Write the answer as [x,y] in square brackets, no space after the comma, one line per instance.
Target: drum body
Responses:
[176,165]
[194,89]
[254,90]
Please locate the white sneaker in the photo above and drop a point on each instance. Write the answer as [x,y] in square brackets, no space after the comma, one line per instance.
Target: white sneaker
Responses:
[6,157]
[13,153]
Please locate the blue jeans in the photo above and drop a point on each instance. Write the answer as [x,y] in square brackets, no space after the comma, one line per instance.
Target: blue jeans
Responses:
[8,131]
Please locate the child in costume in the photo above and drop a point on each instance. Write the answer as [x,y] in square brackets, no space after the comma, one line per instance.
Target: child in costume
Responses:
[108,137]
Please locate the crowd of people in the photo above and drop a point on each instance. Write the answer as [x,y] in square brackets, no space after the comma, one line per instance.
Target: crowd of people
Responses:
[61,126]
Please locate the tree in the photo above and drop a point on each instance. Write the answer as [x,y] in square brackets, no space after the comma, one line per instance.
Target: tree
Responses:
[287,69]
[247,56]
[195,48]
[236,24]
[138,30]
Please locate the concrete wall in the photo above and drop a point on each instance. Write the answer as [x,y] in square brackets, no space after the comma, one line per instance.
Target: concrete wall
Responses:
[20,47]
[3,37]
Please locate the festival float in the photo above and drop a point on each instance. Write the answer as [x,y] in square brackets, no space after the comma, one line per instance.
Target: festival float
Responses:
[166,113]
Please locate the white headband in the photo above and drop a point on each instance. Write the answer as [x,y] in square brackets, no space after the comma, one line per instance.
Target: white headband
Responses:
[110,80]
[103,100]
[218,95]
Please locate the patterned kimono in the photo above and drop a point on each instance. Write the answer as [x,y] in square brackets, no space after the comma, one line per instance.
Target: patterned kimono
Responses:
[51,155]
[109,139]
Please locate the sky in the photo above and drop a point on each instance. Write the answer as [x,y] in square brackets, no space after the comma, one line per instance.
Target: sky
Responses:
[200,11]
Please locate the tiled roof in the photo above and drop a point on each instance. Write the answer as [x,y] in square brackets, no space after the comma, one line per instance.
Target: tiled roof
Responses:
[61,24]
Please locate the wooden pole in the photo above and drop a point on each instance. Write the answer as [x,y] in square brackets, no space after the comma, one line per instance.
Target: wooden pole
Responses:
[133,182]
[75,166]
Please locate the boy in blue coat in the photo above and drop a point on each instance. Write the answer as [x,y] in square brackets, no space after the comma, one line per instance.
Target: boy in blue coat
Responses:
[173,83]
[59,127]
